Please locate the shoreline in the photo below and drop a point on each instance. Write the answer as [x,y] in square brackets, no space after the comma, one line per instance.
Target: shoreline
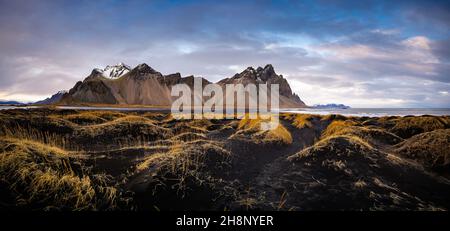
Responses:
[351,112]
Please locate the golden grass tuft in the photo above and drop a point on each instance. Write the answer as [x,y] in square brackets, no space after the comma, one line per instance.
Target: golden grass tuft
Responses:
[336,145]
[157,116]
[345,155]
[251,129]
[183,127]
[184,161]
[360,184]
[85,119]
[369,134]
[189,136]
[203,123]
[338,127]
[107,115]
[30,133]
[431,149]
[334,117]
[304,120]
[279,134]
[409,126]
[249,124]
[127,130]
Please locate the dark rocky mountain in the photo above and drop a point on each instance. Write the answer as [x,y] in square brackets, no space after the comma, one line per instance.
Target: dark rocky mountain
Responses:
[7,102]
[143,85]
[115,71]
[52,99]
[330,106]
[267,75]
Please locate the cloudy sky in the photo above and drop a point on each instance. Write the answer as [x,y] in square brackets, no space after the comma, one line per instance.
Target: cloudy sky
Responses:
[360,53]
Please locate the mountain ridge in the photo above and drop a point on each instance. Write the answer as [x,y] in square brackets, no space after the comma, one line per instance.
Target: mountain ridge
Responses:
[143,85]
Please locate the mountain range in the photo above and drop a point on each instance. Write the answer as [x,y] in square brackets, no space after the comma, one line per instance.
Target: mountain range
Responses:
[9,102]
[330,106]
[53,99]
[142,85]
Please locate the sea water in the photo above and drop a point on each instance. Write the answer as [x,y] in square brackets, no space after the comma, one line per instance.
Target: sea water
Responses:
[370,112]
[373,112]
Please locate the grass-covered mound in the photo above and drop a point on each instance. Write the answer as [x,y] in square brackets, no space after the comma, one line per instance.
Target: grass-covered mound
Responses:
[432,149]
[22,124]
[347,173]
[91,117]
[335,153]
[312,126]
[302,120]
[250,130]
[125,131]
[179,127]
[308,162]
[409,126]
[85,119]
[67,128]
[186,176]
[370,134]
[37,176]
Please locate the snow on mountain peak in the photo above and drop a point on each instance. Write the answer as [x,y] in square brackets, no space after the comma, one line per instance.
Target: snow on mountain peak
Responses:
[114,71]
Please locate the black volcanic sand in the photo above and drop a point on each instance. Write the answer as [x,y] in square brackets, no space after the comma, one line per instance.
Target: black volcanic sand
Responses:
[105,160]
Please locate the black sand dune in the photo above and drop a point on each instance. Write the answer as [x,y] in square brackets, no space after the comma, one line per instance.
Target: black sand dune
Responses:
[103,160]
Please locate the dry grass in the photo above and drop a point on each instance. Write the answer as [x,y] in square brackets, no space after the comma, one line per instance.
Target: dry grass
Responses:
[334,117]
[157,116]
[154,153]
[31,133]
[338,127]
[339,145]
[313,126]
[189,136]
[410,126]
[251,129]
[186,162]
[125,131]
[279,134]
[360,184]
[45,177]
[346,173]
[183,127]
[370,134]
[203,123]
[85,119]
[304,120]
[432,149]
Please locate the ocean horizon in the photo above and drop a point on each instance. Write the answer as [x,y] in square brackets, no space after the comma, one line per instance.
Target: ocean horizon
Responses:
[375,112]
[359,112]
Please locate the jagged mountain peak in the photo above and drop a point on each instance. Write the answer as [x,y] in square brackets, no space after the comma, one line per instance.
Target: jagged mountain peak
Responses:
[54,98]
[268,67]
[112,71]
[259,74]
[143,68]
[266,75]
[249,69]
